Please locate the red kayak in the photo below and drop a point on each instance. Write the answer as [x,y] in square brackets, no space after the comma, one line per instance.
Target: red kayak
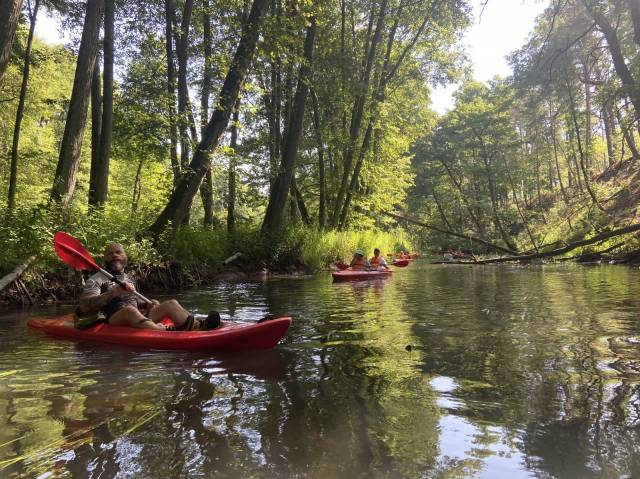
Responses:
[401,263]
[350,275]
[227,337]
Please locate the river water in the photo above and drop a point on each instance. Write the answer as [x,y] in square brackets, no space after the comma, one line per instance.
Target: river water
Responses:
[442,371]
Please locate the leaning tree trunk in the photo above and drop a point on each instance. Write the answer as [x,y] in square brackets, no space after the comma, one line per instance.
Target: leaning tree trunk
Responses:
[9,16]
[13,179]
[274,216]
[629,84]
[64,182]
[181,198]
[99,185]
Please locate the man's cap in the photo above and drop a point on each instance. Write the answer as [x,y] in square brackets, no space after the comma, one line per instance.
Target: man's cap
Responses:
[360,252]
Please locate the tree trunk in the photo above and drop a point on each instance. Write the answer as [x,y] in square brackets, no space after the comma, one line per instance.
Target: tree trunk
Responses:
[9,16]
[627,134]
[13,179]
[357,115]
[180,201]
[96,126]
[629,85]
[587,112]
[458,186]
[102,183]
[206,189]
[231,196]
[494,205]
[634,8]
[585,172]
[322,182]
[171,89]
[440,210]
[356,174]
[554,140]
[515,199]
[182,53]
[299,202]
[609,134]
[64,182]
[137,188]
[274,216]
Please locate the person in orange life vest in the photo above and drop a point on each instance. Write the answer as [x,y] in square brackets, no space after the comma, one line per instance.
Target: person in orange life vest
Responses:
[359,262]
[378,262]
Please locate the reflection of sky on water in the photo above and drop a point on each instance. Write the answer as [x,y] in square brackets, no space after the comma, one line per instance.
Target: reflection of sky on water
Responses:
[460,440]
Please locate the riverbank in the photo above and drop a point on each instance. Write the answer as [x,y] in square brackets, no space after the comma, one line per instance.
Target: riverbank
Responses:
[193,257]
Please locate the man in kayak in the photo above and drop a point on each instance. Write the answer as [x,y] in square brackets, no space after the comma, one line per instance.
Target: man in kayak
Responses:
[378,262]
[359,262]
[104,300]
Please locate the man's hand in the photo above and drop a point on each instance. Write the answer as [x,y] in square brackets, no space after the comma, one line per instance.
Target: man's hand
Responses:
[120,290]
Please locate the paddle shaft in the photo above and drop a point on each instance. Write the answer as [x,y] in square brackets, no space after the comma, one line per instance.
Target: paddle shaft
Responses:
[122,285]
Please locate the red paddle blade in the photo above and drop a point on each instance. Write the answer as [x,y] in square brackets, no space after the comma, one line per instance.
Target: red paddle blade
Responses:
[72,252]
[342,266]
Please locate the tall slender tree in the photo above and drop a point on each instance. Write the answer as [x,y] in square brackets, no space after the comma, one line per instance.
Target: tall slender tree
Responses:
[13,178]
[71,147]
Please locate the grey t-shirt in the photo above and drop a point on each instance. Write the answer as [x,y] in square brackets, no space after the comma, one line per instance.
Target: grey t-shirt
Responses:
[99,283]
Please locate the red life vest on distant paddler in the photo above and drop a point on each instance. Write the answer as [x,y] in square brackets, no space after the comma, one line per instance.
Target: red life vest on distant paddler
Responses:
[358,264]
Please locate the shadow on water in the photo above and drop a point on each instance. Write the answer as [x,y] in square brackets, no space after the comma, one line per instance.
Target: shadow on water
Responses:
[441,371]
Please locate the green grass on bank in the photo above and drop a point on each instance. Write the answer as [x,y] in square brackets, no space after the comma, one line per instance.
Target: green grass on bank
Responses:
[30,231]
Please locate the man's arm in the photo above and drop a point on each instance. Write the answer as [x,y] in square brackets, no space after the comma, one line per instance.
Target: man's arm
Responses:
[91,301]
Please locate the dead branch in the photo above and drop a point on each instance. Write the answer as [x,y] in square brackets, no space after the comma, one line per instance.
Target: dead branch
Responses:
[565,249]
[16,273]
[450,233]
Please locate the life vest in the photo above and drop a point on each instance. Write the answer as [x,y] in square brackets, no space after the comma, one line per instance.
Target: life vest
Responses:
[375,261]
[358,264]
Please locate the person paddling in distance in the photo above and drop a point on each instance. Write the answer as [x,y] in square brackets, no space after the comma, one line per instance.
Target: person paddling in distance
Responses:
[359,262]
[118,306]
[378,262]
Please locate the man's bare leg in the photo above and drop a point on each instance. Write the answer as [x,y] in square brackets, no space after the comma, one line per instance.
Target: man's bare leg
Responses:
[130,316]
[170,308]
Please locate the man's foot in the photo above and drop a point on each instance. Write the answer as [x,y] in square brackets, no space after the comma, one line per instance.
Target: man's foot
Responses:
[212,321]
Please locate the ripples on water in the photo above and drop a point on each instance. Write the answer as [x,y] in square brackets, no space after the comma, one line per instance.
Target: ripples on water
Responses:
[442,371]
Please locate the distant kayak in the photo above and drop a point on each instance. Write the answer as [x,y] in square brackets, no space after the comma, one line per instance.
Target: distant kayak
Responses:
[227,337]
[401,263]
[349,275]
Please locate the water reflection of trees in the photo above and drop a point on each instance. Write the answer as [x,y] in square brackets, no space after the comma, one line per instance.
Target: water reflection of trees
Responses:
[558,380]
[538,360]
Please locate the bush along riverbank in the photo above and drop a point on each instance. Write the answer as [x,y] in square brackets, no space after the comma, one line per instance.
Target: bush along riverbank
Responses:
[193,257]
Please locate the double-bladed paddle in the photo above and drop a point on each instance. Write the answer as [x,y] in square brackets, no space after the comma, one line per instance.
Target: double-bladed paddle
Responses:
[72,252]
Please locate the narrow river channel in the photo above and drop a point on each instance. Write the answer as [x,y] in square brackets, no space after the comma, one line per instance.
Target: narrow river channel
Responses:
[441,371]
